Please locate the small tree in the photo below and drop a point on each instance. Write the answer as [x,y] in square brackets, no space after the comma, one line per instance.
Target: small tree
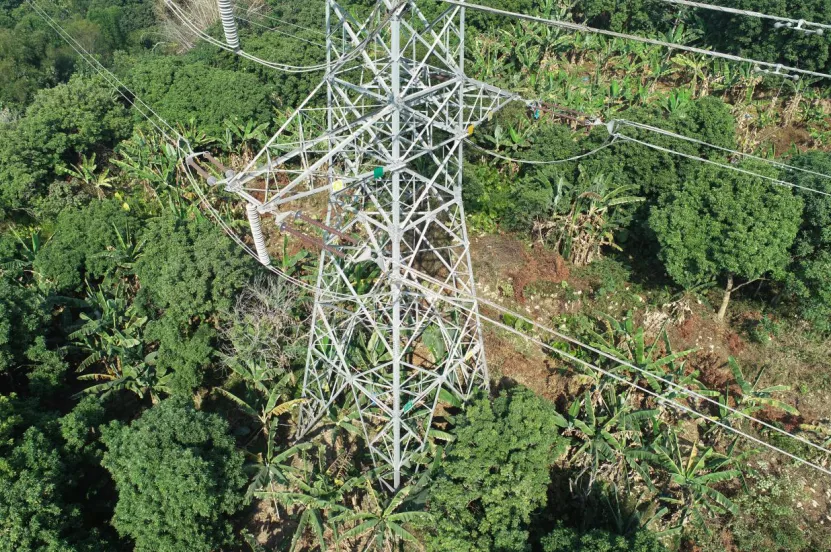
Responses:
[62,124]
[725,224]
[189,270]
[179,477]
[808,280]
[82,245]
[496,474]
[22,317]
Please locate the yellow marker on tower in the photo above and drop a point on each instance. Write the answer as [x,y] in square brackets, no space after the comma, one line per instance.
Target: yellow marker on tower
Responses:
[337,185]
[470,130]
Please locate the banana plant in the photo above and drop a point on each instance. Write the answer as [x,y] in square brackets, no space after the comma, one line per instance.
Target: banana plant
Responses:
[271,470]
[512,139]
[243,138]
[368,353]
[821,429]
[142,377]
[363,276]
[291,264]
[319,495]
[628,518]
[623,340]
[604,432]
[691,477]
[677,100]
[29,248]
[85,172]
[262,407]
[381,526]
[150,160]
[112,335]
[697,66]
[126,251]
[591,222]
[753,398]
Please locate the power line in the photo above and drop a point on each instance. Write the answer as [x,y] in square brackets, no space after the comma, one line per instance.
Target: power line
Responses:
[776,181]
[658,397]
[573,341]
[774,68]
[775,163]
[612,125]
[183,17]
[279,31]
[283,21]
[158,124]
[497,155]
[133,99]
[795,24]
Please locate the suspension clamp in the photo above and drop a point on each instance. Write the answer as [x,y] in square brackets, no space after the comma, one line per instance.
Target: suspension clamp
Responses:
[798,26]
[778,70]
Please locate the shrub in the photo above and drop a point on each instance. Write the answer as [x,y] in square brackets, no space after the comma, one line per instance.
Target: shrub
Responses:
[496,474]
[78,248]
[759,39]
[565,539]
[185,355]
[34,513]
[808,276]
[190,269]
[22,318]
[182,90]
[179,478]
[61,125]
[651,15]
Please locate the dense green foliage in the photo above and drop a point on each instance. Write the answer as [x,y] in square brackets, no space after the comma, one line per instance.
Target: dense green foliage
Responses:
[185,91]
[22,317]
[723,223]
[151,374]
[749,37]
[564,539]
[189,269]
[759,39]
[495,474]
[41,479]
[61,125]
[79,248]
[178,476]
[812,251]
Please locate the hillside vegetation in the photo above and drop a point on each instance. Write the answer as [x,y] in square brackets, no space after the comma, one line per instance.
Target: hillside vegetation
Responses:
[151,371]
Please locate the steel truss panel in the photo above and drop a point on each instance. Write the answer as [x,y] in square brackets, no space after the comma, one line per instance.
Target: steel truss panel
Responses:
[388,150]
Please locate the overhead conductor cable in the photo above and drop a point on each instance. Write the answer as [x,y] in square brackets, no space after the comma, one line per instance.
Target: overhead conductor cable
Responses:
[305,285]
[802,25]
[762,65]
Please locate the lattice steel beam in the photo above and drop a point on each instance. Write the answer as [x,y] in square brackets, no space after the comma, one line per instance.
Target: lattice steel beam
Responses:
[389,152]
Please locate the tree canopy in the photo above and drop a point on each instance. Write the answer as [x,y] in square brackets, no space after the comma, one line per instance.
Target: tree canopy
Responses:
[189,269]
[725,224]
[186,90]
[178,475]
[495,474]
[62,124]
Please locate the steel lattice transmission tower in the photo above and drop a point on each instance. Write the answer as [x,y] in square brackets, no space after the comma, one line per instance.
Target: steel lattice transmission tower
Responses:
[388,152]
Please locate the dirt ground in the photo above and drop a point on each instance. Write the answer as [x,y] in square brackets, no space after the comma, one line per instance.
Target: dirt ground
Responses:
[506,269]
